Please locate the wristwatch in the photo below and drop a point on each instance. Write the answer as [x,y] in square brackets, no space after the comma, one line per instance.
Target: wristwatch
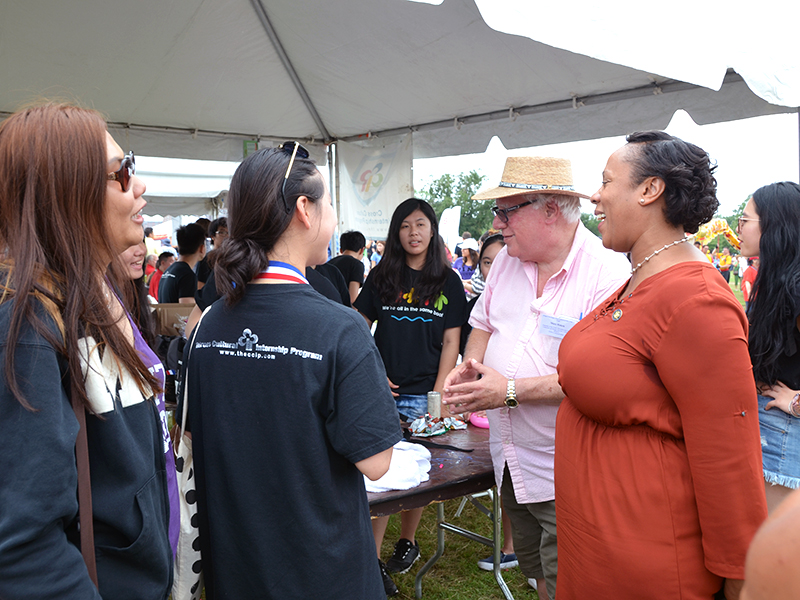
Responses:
[511,394]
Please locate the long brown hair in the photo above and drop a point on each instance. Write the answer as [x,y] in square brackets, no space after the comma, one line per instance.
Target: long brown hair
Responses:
[52,221]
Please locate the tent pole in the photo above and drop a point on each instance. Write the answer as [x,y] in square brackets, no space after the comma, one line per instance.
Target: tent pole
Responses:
[333,178]
[287,64]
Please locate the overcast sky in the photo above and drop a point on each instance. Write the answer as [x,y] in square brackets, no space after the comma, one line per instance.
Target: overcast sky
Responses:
[749,153]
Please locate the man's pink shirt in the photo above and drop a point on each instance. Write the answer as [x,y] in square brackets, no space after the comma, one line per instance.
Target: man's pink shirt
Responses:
[524,437]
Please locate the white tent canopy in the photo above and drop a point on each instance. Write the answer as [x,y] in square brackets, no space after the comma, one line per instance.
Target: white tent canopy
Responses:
[184,187]
[196,78]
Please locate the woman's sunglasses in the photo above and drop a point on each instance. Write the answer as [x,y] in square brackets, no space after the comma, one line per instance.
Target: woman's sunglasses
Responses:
[295,149]
[125,173]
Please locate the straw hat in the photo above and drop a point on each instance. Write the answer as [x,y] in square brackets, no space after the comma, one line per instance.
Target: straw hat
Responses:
[533,174]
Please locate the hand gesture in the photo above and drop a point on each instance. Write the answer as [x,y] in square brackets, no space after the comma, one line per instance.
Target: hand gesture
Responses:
[781,395]
[473,386]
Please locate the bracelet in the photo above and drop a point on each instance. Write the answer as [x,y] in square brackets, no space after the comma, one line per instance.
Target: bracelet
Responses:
[794,406]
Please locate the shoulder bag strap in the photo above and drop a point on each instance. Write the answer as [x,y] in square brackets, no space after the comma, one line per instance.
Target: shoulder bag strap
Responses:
[84,487]
[185,384]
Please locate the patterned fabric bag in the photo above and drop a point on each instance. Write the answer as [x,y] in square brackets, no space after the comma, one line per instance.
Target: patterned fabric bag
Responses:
[188,579]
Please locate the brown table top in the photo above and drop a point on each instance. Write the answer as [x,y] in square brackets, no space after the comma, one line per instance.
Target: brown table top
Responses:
[453,474]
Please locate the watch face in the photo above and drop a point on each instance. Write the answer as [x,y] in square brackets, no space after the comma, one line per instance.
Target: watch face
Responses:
[511,402]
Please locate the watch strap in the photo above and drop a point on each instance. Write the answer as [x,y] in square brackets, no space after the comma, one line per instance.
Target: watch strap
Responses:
[511,394]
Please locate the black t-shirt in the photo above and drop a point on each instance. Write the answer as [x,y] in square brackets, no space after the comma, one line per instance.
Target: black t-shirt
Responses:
[178,281]
[286,393]
[331,281]
[203,270]
[788,365]
[409,335]
[207,295]
[466,328]
[351,268]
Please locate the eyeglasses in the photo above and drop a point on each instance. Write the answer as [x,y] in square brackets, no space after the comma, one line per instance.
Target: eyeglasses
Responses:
[742,220]
[125,173]
[295,149]
[502,213]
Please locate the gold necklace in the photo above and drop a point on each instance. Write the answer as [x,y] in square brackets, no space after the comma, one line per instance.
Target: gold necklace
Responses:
[675,243]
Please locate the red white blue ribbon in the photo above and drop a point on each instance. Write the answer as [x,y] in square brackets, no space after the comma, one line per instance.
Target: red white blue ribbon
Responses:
[281,271]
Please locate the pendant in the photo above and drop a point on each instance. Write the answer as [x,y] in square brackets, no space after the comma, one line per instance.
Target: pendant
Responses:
[616,315]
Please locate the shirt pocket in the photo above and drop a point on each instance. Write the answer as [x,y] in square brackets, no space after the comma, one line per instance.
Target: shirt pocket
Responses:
[548,349]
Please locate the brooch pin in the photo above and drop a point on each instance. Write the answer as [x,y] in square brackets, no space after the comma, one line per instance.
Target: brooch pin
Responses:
[616,315]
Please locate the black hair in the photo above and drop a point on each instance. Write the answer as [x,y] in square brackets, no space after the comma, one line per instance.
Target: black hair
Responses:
[203,222]
[473,256]
[162,257]
[352,240]
[148,231]
[257,215]
[775,299]
[190,238]
[214,226]
[487,234]
[690,194]
[494,238]
[386,276]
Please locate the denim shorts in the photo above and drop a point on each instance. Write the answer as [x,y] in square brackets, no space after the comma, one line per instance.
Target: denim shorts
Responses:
[780,445]
[412,405]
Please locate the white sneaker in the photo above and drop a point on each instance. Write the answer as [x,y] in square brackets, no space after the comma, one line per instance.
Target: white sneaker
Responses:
[532,583]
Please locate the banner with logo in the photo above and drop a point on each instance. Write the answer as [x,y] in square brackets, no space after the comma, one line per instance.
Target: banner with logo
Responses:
[374,178]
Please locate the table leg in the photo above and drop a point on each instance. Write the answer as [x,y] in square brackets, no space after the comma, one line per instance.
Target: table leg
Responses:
[439,550]
[498,542]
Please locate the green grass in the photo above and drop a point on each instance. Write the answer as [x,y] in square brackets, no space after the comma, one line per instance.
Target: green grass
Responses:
[737,292]
[456,575]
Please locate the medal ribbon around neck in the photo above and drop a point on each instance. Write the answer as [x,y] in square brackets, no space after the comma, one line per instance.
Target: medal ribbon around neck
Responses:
[281,271]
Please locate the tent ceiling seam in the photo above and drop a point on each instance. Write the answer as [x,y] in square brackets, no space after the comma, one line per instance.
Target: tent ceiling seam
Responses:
[287,64]
[191,131]
[575,102]
[652,88]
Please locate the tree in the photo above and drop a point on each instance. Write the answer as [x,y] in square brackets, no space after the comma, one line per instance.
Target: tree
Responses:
[447,191]
[591,222]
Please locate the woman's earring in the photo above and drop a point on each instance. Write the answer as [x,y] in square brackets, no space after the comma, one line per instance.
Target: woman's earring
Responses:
[641,201]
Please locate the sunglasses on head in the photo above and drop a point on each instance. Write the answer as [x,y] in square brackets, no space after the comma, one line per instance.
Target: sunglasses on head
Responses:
[294,149]
[125,173]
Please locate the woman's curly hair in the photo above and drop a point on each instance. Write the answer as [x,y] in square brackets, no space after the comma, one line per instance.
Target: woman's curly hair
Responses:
[690,195]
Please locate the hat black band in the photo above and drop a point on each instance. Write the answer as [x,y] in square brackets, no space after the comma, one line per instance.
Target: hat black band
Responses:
[536,186]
